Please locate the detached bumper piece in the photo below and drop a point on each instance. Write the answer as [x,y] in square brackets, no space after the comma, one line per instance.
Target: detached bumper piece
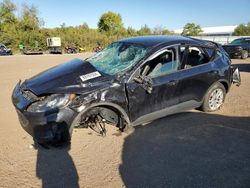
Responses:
[236,76]
[51,127]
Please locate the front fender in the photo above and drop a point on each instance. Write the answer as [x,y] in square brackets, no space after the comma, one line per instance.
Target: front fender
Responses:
[83,110]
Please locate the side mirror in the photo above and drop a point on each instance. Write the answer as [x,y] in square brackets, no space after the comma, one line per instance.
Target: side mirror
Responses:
[147,84]
[144,80]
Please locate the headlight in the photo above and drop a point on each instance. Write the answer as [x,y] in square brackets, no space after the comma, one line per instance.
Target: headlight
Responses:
[54,101]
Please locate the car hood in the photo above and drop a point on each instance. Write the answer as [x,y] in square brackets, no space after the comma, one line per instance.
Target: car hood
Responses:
[76,76]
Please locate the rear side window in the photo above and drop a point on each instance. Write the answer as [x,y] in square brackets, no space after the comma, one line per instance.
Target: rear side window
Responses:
[195,56]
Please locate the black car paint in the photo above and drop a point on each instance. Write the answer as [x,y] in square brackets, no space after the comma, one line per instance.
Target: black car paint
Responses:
[65,78]
[119,93]
[177,91]
[235,50]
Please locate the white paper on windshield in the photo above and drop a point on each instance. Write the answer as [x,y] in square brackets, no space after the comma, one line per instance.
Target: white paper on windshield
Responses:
[90,76]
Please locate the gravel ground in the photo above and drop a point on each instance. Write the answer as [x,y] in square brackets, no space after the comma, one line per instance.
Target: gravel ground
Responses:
[190,149]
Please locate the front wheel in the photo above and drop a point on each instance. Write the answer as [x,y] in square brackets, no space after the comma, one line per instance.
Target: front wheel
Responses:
[214,98]
[244,54]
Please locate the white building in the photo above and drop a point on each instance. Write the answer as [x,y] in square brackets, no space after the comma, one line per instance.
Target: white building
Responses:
[214,31]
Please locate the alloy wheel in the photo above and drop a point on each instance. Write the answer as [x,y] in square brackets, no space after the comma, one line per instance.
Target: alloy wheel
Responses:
[216,99]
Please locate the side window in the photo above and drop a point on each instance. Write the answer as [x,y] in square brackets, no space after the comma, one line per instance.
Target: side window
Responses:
[195,56]
[163,64]
[248,41]
[245,41]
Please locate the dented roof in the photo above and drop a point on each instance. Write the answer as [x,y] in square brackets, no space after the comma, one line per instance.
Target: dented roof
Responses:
[155,40]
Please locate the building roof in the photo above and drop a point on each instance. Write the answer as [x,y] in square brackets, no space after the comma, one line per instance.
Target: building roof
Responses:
[213,30]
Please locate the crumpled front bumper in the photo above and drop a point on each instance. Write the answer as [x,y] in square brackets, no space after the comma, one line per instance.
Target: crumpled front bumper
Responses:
[45,127]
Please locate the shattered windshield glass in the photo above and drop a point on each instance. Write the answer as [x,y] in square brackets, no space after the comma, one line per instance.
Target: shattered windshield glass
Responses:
[117,57]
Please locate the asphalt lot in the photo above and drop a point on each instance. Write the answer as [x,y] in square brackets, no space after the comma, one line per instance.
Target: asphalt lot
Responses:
[190,149]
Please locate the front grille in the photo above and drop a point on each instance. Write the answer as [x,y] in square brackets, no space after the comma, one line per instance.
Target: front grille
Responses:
[230,50]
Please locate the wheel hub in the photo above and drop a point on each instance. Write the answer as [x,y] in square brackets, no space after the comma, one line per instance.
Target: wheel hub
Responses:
[216,99]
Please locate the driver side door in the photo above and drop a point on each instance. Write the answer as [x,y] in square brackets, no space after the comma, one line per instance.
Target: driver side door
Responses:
[164,98]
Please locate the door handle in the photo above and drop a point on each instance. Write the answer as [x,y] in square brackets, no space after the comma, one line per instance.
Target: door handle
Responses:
[213,72]
[172,82]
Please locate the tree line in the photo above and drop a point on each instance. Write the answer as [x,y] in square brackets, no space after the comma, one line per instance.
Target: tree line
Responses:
[27,29]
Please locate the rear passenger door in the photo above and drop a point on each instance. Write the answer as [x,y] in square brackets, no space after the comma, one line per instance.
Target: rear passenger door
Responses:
[198,73]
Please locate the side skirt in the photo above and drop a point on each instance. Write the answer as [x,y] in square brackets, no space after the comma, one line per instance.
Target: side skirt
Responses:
[166,111]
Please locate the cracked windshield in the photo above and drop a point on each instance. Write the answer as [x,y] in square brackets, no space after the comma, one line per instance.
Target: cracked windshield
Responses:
[117,57]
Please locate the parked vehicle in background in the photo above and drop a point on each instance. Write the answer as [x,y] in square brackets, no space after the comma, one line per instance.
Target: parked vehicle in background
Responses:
[4,50]
[54,45]
[71,50]
[98,48]
[238,48]
[81,49]
[130,82]
[31,50]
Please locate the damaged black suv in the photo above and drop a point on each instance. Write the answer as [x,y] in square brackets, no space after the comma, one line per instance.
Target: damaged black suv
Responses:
[130,82]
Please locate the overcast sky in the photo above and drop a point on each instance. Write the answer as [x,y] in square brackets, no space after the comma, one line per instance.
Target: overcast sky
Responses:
[172,14]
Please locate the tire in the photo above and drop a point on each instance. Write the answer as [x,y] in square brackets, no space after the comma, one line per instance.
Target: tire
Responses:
[214,98]
[244,54]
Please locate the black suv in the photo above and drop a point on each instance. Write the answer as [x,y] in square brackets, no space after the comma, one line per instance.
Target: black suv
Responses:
[238,48]
[128,83]
[4,50]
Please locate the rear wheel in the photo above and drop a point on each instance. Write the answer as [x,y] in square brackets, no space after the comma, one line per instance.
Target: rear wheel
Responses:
[214,98]
[244,54]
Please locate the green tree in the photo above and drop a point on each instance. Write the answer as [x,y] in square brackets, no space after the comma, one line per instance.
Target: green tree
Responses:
[110,22]
[242,30]
[131,31]
[30,34]
[8,23]
[7,12]
[29,18]
[160,30]
[191,29]
[145,30]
